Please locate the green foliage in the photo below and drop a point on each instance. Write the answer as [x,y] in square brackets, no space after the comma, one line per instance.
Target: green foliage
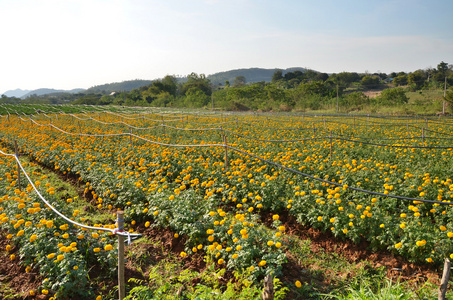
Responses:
[400,80]
[366,290]
[391,97]
[355,100]
[449,99]
[196,83]
[370,81]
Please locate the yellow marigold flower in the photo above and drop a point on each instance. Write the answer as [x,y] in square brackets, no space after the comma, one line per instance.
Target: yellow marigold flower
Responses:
[298,284]
[60,257]
[20,233]
[96,250]
[420,243]
[278,244]
[262,263]
[44,292]
[108,247]
[220,261]
[443,228]
[398,245]
[51,255]
[33,237]
[270,243]
[183,254]
[235,256]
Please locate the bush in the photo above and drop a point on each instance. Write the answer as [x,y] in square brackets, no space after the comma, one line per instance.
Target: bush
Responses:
[395,96]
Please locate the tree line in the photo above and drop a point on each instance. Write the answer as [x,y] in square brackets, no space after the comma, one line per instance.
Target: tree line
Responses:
[308,90]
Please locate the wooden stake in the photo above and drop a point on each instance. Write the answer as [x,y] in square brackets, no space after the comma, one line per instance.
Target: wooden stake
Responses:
[226,151]
[444,283]
[18,167]
[121,283]
[330,144]
[268,290]
[130,136]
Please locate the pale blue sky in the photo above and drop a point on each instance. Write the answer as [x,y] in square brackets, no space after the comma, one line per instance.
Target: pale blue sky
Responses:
[67,44]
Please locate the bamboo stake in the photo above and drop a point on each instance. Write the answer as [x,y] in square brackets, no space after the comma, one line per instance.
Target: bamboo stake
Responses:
[121,283]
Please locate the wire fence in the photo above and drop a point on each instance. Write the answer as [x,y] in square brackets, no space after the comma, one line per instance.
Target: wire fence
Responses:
[224,144]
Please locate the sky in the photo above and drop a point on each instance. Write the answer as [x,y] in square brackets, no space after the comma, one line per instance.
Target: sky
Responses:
[67,44]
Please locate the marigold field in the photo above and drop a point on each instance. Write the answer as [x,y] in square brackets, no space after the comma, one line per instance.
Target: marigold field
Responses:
[210,178]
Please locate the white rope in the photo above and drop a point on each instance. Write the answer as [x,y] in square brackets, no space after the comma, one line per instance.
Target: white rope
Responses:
[114,231]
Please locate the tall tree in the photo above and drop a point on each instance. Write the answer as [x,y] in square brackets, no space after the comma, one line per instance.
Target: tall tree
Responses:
[442,68]
[239,81]
[196,81]
[278,75]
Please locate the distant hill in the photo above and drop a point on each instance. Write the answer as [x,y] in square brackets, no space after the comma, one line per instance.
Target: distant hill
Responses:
[118,86]
[40,92]
[251,75]
[16,93]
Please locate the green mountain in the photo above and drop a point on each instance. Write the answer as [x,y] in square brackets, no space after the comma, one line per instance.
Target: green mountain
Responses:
[251,75]
[118,86]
